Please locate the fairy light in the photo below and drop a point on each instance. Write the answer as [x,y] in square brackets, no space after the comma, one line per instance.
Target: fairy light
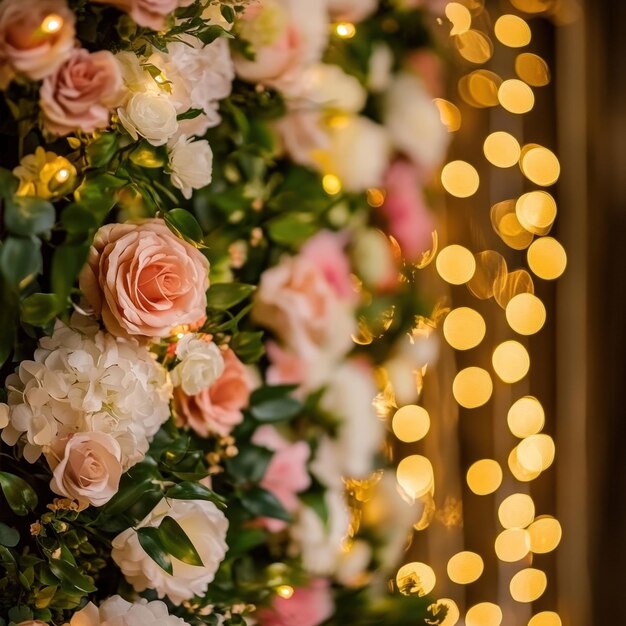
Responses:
[285,591]
[331,184]
[345,30]
[160,78]
[62,175]
[528,585]
[465,568]
[51,24]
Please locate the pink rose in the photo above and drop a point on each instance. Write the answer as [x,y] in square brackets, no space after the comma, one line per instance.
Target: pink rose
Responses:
[25,47]
[80,93]
[427,65]
[217,409]
[286,368]
[326,250]
[286,474]
[143,280]
[86,467]
[148,13]
[351,10]
[302,134]
[309,606]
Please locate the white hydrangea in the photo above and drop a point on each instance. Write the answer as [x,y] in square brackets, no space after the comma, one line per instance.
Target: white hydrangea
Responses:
[85,380]
[201,364]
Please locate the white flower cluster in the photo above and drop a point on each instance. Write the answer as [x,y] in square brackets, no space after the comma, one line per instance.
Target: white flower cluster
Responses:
[85,380]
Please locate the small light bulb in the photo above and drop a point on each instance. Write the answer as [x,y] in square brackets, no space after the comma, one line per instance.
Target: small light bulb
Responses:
[331,184]
[345,30]
[63,174]
[52,24]
[159,78]
[285,591]
[180,335]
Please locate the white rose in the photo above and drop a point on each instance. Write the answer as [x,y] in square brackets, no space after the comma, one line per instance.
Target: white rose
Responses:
[151,115]
[358,153]
[201,364]
[353,563]
[115,611]
[372,255]
[318,543]
[206,527]
[191,163]
[380,68]
[413,122]
[352,10]
[329,87]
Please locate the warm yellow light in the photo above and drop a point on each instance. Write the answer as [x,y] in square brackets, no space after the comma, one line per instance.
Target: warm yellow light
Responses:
[533,6]
[526,314]
[460,179]
[545,618]
[375,197]
[416,579]
[512,31]
[465,568]
[62,175]
[540,444]
[331,184]
[455,264]
[526,417]
[547,258]
[528,585]
[180,335]
[545,534]
[285,591]
[532,69]
[536,211]
[527,471]
[518,281]
[502,149]
[480,88]
[449,114]
[539,164]
[512,544]
[411,423]
[511,361]
[452,615]
[472,387]
[464,328]
[529,457]
[507,226]
[51,24]
[516,511]
[415,475]
[484,477]
[345,30]
[516,96]
[474,46]
[491,270]
[459,16]
[484,614]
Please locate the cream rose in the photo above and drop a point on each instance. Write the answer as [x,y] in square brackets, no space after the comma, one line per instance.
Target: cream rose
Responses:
[352,10]
[80,94]
[201,364]
[206,527]
[143,280]
[151,115]
[148,13]
[86,467]
[191,163]
[25,48]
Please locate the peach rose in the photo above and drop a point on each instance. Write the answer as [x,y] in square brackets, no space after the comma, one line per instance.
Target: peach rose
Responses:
[309,606]
[217,409]
[148,13]
[351,10]
[143,280]
[286,475]
[25,47]
[81,92]
[86,467]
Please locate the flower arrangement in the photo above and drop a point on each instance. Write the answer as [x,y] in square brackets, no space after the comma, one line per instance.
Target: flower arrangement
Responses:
[212,212]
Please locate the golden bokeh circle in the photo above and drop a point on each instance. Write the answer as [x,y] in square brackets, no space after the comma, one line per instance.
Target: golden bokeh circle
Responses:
[547,258]
[545,618]
[465,567]
[528,472]
[526,314]
[459,16]
[449,114]
[474,46]
[484,477]
[533,6]
[536,211]
[526,417]
[532,69]
[472,387]
[453,614]
[415,475]
[410,423]
[515,282]
[502,149]
[512,31]
[540,444]
[545,534]
[455,264]
[464,328]
[460,179]
[516,511]
[512,544]
[511,361]
[528,585]
[516,96]
[484,614]
[539,164]
[416,579]
[480,88]
[491,270]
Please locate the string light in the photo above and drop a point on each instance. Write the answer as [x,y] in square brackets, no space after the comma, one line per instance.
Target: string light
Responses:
[484,477]
[285,591]
[52,24]
[528,585]
[63,174]
[345,30]
[484,614]
[516,511]
[331,184]
[465,568]
[472,387]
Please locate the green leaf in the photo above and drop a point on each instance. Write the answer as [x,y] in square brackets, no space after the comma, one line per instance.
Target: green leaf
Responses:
[8,184]
[8,316]
[211,33]
[177,543]
[127,495]
[101,151]
[248,346]
[189,115]
[77,219]
[39,309]
[223,296]
[315,500]
[292,229]
[184,224]
[97,193]
[20,259]
[194,491]
[9,537]
[70,576]
[25,215]
[67,261]
[242,540]
[150,541]
[250,465]
[261,503]
[273,404]
[20,496]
